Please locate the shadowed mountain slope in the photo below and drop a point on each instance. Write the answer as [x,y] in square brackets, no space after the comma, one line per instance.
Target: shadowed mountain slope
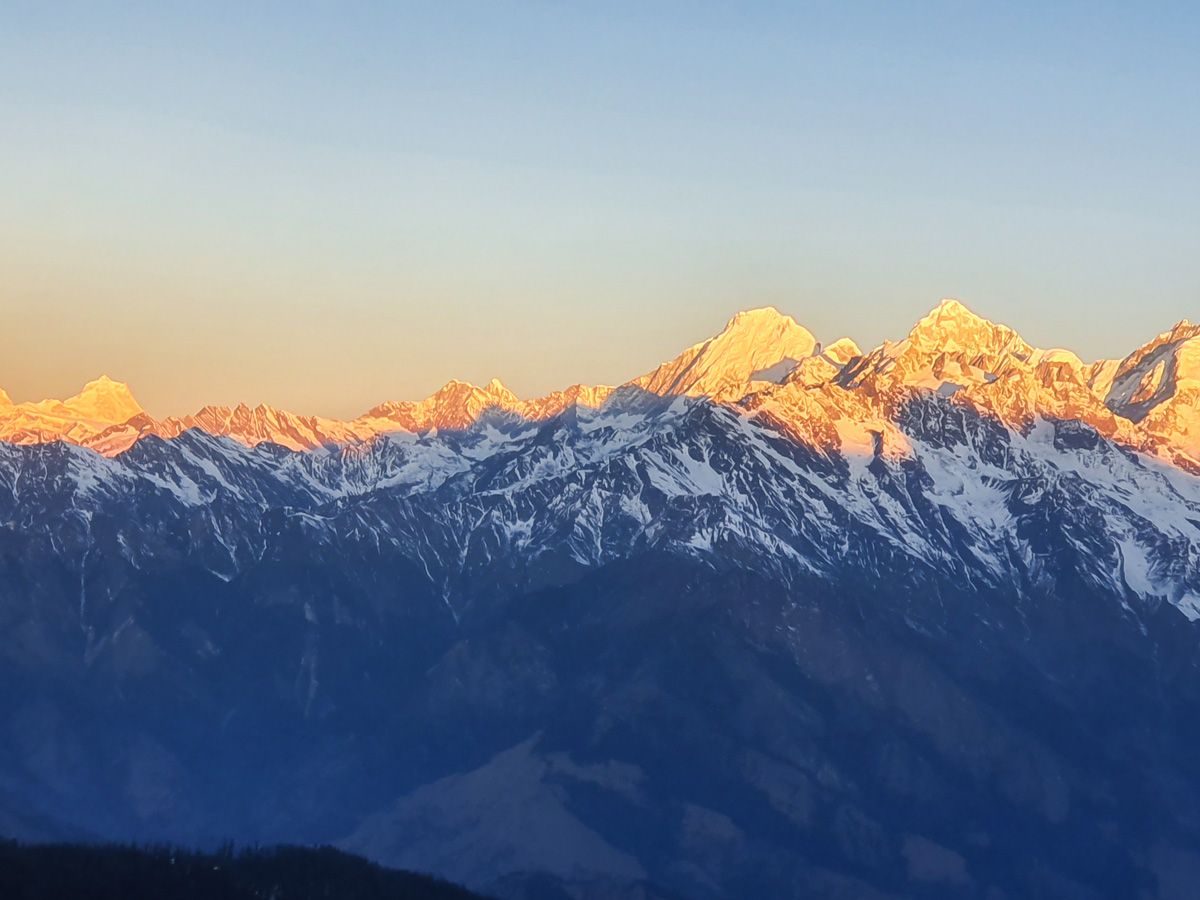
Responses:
[917,623]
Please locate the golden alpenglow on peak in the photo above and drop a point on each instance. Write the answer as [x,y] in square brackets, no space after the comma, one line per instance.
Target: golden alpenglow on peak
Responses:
[753,342]
[762,360]
[104,400]
[496,388]
[101,405]
[1158,387]
[949,306]
[951,325]
[951,344]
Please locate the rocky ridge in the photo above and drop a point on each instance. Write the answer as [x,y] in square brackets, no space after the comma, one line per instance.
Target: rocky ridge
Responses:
[1149,401]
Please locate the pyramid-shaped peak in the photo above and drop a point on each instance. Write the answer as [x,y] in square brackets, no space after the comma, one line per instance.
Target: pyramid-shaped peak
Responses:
[951,325]
[105,400]
[5,400]
[949,304]
[497,389]
[951,310]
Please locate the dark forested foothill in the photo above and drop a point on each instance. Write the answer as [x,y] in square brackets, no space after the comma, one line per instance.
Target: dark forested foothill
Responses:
[111,872]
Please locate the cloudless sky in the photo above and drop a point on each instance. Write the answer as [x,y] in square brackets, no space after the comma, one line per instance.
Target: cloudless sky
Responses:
[325,205]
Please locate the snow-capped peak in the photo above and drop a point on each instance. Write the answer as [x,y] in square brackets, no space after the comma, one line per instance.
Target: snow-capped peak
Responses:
[104,400]
[753,342]
[950,326]
[949,307]
[841,351]
[497,389]
[1150,401]
[763,324]
[1158,387]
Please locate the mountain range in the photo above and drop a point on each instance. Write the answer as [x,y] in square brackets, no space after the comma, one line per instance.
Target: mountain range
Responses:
[1147,401]
[777,619]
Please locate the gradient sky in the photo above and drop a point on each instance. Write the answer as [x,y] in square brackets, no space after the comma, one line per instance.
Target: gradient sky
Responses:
[322,206]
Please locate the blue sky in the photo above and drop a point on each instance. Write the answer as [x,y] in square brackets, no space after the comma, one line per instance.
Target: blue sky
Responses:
[322,206]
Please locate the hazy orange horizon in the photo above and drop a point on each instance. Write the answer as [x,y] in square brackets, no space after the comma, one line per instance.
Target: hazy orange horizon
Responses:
[344,379]
[325,210]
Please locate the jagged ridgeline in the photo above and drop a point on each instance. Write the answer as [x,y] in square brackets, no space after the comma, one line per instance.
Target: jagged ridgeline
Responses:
[90,872]
[1147,401]
[778,619]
